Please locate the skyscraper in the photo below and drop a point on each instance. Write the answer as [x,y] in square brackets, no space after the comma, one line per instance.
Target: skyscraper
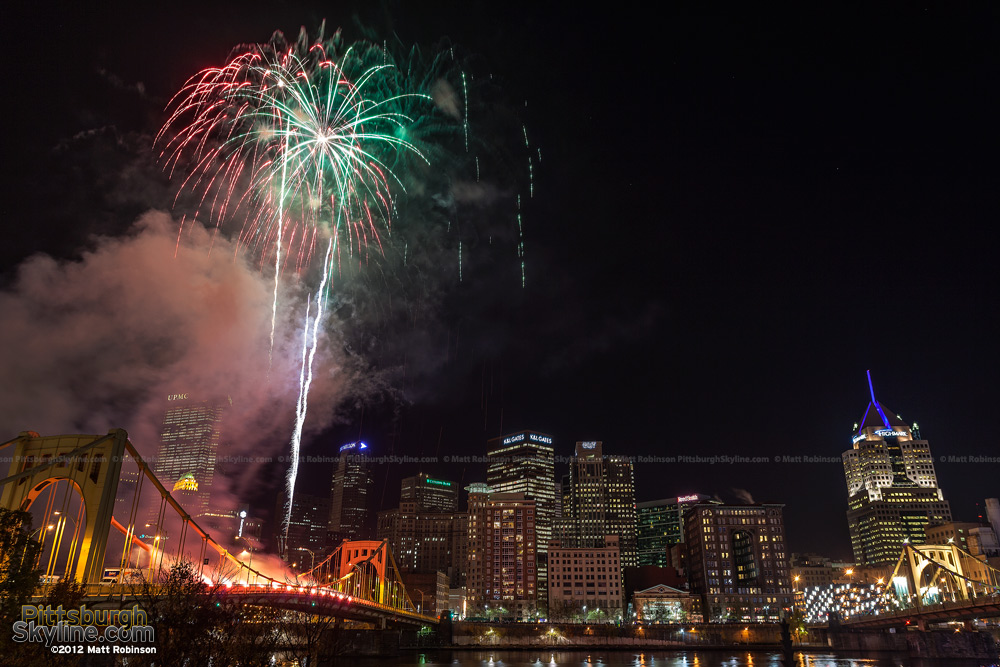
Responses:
[189,441]
[351,493]
[429,494]
[524,462]
[660,524]
[737,561]
[602,499]
[422,541]
[307,529]
[426,533]
[891,485]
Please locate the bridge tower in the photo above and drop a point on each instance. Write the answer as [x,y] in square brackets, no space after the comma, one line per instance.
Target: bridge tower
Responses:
[91,464]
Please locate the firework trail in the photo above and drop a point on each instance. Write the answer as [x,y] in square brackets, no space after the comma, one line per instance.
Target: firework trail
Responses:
[310,340]
[309,144]
[303,140]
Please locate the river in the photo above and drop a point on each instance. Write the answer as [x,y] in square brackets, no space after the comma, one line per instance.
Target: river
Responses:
[656,658]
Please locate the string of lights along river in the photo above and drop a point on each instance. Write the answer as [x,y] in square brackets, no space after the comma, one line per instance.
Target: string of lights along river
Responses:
[707,658]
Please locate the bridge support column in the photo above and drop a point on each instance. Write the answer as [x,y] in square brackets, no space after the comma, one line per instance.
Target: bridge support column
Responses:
[95,537]
[968,626]
[922,625]
[381,623]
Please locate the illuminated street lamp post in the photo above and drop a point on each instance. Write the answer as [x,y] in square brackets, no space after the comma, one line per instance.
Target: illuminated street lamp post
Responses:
[421,607]
[248,550]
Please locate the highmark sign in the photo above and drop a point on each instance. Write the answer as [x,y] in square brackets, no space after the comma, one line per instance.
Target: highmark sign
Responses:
[889,433]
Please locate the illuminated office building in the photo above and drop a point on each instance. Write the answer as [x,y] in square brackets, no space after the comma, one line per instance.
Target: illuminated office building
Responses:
[425,536]
[660,525]
[737,561]
[189,442]
[501,579]
[351,493]
[429,494]
[524,462]
[585,582]
[891,484]
[602,500]
[307,530]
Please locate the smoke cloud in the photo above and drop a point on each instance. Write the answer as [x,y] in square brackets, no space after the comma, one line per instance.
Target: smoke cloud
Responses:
[101,341]
[446,99]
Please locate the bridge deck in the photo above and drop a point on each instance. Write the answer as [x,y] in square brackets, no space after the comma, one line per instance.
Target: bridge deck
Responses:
[314,599]
[962,610]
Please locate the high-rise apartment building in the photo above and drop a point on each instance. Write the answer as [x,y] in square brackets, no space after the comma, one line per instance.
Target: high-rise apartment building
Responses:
[189,442]
[891,485]
[601,500]
[429,494]
[501,577]
[660,525]
[351,493]
[738,562]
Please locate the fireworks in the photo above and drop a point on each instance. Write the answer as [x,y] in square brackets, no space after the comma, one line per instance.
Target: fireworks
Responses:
[310,144]
[305,141]
[302,138]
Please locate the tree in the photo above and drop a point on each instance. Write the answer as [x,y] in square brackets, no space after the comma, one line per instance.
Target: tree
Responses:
[308,637]
[198,624]
[19,553]
[19,578]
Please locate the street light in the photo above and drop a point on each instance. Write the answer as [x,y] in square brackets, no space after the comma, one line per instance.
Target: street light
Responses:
[60,529]
[420,608]
[249,560]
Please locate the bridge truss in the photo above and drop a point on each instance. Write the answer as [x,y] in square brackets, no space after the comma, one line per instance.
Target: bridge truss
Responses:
[81,474]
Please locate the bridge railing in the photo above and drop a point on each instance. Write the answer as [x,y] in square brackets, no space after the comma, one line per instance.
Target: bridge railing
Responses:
[259,592]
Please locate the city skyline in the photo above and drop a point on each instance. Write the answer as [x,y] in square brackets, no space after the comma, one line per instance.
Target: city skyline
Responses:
[711,278]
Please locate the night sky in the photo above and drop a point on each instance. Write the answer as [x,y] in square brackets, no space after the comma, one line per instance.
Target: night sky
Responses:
[736,215]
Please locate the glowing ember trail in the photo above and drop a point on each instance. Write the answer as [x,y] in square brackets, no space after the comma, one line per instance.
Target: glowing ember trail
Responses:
[310,340]
[300,140]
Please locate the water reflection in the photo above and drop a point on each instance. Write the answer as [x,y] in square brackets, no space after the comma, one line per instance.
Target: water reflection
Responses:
[711,658]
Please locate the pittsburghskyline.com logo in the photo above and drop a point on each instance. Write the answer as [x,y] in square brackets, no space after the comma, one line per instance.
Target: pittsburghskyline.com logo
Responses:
[84,630]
